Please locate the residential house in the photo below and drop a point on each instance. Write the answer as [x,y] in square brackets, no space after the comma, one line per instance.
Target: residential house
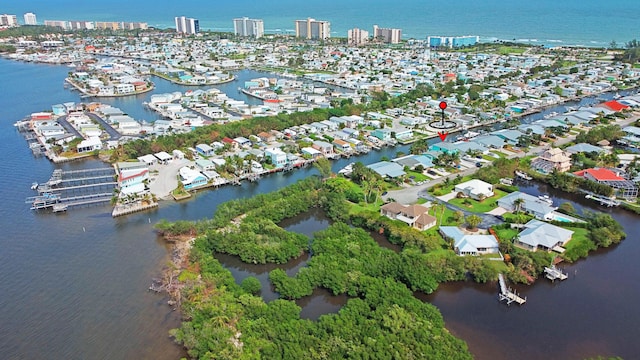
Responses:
[324,147]
[475,189]
[266,137]
[131,177]
[551,159]
[277,157]
[584,148]
[163,157]
[539,235]
[490,141]
[528,204]
[90,144]
[444,147]
[412,161]
[382,134]
[342,145]
[508,135]
[387,169]
[469,244]
[312,152]
[191,178]
[415,216]
[204,149]
[624,188]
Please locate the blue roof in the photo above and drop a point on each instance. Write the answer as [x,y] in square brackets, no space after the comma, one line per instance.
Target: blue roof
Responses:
[387,168]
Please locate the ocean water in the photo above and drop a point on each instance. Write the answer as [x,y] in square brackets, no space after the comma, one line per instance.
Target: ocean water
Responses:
[544,22]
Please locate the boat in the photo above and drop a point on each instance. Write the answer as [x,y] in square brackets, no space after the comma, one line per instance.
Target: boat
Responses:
[617,96]
[347,170]
[550,115]
[34,186]
[546,199]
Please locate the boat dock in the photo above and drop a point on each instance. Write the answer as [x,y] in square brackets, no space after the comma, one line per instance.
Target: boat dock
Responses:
[553,273]
[507,294]
[604,201]
[65,189]
[523,175]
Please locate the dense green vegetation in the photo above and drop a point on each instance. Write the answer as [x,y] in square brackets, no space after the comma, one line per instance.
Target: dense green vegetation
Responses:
[382,317]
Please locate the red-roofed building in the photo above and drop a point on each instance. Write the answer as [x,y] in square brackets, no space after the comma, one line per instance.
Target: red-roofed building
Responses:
[613,106]
[624,188]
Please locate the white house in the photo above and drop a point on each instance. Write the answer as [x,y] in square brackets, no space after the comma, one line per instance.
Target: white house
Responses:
[475,189]
[539,235]
[89,145]
[278,157]
[191,178]
[470,244]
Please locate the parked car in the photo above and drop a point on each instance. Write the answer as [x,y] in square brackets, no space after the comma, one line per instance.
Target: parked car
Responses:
[479,164]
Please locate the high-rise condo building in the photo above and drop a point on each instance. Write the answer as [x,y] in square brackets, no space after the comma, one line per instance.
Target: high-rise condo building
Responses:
[8,20]
[357,36]
[57,23]
[386,35]
[30,19]
[187,25]
[81,25]
[248,27]
[313,29]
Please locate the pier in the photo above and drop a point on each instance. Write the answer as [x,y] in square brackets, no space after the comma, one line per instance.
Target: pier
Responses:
[553,273]
[507,294]
[65,189]
[604,201]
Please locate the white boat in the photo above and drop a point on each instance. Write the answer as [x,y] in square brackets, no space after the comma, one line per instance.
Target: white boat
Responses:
[347,170]
[34,186]
[546,199]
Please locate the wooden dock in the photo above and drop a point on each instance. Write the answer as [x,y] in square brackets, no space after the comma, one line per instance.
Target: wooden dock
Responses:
[507,294]
[604,201]
[553,273]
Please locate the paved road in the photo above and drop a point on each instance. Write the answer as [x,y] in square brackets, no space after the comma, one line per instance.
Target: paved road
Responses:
[115,135]
[62,120]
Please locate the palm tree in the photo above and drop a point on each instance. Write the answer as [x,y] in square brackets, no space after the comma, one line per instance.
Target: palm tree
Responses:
[517,204]
[473,221]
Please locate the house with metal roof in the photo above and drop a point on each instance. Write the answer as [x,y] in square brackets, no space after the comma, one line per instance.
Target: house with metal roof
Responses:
[531,205]
[584,148]
[412,161]
[490,141]
[469,244]
[508,135]
[531,128]
[444,147]
[539,235]
[475,189]
[468,146]
[387,169]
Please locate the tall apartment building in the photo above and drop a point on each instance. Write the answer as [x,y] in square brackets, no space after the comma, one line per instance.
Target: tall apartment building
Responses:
[112,25]
[452,41]
[313,29]
[357,37]
[30,19]
[8,20]
[187,25]
[81,25]
[248,27]
[386,35]
[57,23]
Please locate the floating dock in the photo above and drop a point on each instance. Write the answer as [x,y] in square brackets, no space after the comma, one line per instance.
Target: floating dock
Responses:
[553,273]
[507,294]
[604,201]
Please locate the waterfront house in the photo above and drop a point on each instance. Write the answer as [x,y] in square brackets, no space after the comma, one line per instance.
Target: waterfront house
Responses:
[528,204]
[551,159]
[624,188]
[508,135]
[324,147]
[204,149]
[342,145]
[490,141]
[131,177]
[539,235]
[191,178]
[475,189]
[444,147]
[415,216]
[469,244]
[413,161]
[387,169]
[584,148]
[90,144]
[277,157]
[205,165]
[382,134]
[311,152]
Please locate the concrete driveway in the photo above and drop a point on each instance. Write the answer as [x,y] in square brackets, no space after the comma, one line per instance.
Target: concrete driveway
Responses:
[162,183]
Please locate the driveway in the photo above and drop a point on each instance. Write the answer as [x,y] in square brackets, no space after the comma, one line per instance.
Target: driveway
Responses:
[166,179]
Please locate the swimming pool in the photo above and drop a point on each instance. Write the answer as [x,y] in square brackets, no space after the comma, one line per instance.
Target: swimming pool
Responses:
[557,217]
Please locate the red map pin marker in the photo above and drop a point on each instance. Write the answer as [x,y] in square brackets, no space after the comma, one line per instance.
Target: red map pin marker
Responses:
[443,135]
[443,105]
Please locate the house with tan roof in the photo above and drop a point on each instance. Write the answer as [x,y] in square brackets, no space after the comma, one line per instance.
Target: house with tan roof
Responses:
[551,159]
[415,215]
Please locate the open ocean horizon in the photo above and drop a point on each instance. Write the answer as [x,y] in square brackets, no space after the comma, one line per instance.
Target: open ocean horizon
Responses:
[542,22]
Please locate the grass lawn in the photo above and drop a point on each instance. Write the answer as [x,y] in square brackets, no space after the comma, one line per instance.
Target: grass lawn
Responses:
[440,189]
[490,158]
[499,153]
[479,206]
[579,245]
[417,176]
[506,234]
[506,50]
